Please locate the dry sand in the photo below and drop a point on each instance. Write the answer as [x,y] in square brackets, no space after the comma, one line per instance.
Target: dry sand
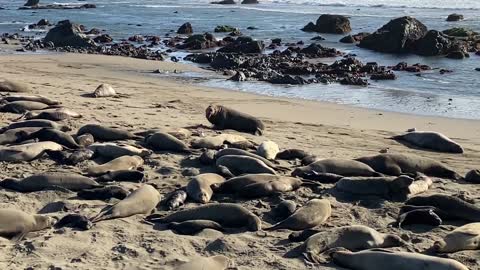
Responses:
[327,130]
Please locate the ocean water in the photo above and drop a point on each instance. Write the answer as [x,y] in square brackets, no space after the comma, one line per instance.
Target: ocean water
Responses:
[454,94]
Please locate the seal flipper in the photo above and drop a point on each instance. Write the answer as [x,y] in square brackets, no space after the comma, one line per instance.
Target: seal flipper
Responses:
[105,214]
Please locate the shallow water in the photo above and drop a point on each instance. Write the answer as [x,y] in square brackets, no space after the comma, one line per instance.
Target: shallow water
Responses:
[428,94]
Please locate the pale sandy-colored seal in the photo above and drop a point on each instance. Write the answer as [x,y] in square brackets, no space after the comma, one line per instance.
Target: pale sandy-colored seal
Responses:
[121,163]
[238,165]
[15,224]
[103,133]
[312,214]
[11,86]
[353,238]
[179,133]
[162,141]
[217,141]
[225,118]
[258,185]
[23,106]
[380,259]
[104,90]
[114,150]
[36,98]
[141,201]
[44,181]
[58,114]
[192,227]
[240,152]
[451,206]
[431,140]
[218,262]
[466,237]
[268,150]
[396,164]
[28,151]
[55,135]
[41,123]
[16,135]
[198,188]
[344,167]
[226,214]
[78,156]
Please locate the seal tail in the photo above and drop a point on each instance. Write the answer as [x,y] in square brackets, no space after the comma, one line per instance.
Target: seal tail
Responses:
[275,226]
[103,215]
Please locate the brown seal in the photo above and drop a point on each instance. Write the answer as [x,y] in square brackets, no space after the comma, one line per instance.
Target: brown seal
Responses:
[312,214]
[15,224]
[431,140]
[225,118]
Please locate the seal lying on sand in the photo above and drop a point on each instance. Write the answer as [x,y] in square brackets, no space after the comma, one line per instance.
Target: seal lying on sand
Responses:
[473,176]
[162,141]
[122,176]
[16,135]
[103,193]
[10,86]
[226,214]
[218,262]
[454,207]
[379,259]
[43,181]
[40,123]
[121,163]
[176,199]
[15,224]
[344,167]
[419,216]
[191,227]
[199,188]
[290,154]
[55,135]
[268,150]
[431,140]
[466,237]
[397,164]
[104,90]
[112,150]
[216,142]
[106,133]
[28,151]
[312,214]
[141,201]
[26,97]
[59,114]
[353,238]
[225,118]
[23,106]
[240,152]
[238,165]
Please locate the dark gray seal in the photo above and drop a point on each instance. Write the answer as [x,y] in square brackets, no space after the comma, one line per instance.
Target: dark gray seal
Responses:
[16,135]
[238,165]
[191,227]
[54,135]
[122,176]
[290,154]
[162,141]
[431,140]
[225,118]
[104,193]
[80,155]
[453,206]
[312,214]
[176,199]
[40,123]
[75,221]
[103,133]
[38,182]
[419,216]
[473,176]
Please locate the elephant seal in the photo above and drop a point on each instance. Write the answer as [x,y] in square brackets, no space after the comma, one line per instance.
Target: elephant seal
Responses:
[28,151]
[85,139]
[243,165]
[218,262]
[466,237]
[217,142]
[309,160]
[312,214]
[431,140]
[16,135]
[442,214]
[290,154]
[58,114]
[454,207]
[302,235]
[161,141]
[379,259]
[353,238]
[473,176]
[268,150]
[103,193]
[207,157]
[75,221]
[122,176]
[284,209]
[141,201]
[258,185]
[225,118]
[112,150]
[103,133]
[55,135]
[240,152]
[397,164]
[343,167]
[121,163]
[80,155]
[36,98]
[199,189]
[43,181]
[191,227]
[176,199]
[244,145]
[226,214]
[15,224]
[180,133]
[325,178]
[39,123]
[104,90]
[23,106]
[10,86]
[419,216]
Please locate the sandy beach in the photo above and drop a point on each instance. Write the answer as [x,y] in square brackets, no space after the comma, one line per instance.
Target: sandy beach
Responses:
[152,101]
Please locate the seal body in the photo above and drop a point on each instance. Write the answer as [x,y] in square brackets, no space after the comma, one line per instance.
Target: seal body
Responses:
[16,135]
[28,151]
[16,224]
[225,118]
[216,142]
[85,139]
[473,176]
[103,193]
[43,181]
[161,141]
[466,237]
[40,123]
[80,156]
[176,199]
[55,135]
[59,114]
[240,152]
[191,227]
[112,150]
[23,106]
[122,176]
[105,133]
[26,97]
[243,165]
[419,216]
[218,262]
[343,167]
[290,154]
[431,140]
[11,86]
[198,188]
[121,163]
[75,221]
[268,150]
[104,90]
[453,207]
[312,214]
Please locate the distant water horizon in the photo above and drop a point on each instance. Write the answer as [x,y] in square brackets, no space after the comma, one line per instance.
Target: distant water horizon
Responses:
[455,94]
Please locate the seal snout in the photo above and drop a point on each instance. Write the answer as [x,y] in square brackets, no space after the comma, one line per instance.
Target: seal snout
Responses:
[438,246]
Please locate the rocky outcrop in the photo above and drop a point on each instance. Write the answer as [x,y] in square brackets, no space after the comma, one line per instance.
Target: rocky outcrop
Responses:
[57,6]
[354,38]
[224,29]
[199,42]
[185,29]
[454,17]
[31,3]
[318,51]
[224,2]
[397,36]
[249,2]
[327,23]
[433,43]
[243,45]
[105,38]
[460,32]
[66,33]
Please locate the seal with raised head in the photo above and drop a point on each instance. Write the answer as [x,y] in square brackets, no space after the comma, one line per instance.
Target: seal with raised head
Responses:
[198,188]
[431,140]
[26,97]
[344,167]
[176,199]
[44,181]
[218,262]
[28,151]
[15,224]
[103,193]
[16,135]
[162,141]
[312,214]
[113,150]
[85,139]
[79,156]
[103,133]
[226,214]
[141,201]
[452,206]
[104,90]
[225,118]
[11,86]
[353,238]
[397,164]
[238,165]
[191,227]
[121,163]
[55,135]
[466,237]
[268,150]
[380,259]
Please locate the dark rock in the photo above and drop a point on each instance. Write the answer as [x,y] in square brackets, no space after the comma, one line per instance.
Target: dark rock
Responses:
[199,42]
[454,17]
[433,43]
[224,2]
[287,79]
[347,39]
[243,45]
[387,75]
[397,36]
[136,38]
[32,3]
[200,58]
[473,176]
[477,69]
[224,61]
[252,28]
[353,80]
[277,41]
[224,29]
[249,2]
[460,32]
[66,33]
[185,29]
[318,38]
[105,38]
[238,77]
[413,69]
[443,71]
[354,38]
[93,31]
[317,51]
[235,33]
[328,23]
[400,66]
[43,22]
[457,55]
